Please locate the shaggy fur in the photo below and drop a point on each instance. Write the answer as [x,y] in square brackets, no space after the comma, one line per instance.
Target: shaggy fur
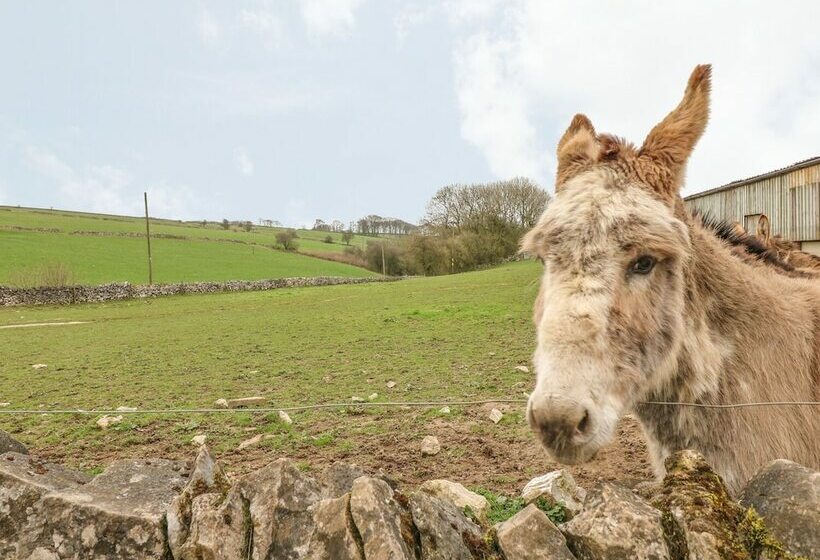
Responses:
[718,319]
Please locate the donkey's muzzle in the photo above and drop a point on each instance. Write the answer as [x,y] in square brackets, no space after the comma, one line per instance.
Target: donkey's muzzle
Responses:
[560,422]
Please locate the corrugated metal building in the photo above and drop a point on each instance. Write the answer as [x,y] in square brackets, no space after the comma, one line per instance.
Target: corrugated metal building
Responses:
[788,197]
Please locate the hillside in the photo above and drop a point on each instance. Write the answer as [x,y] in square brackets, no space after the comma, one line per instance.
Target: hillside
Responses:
[100,248]
[448,337]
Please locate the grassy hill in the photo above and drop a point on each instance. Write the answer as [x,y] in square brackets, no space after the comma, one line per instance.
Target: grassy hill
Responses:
[100,248]
[448,337]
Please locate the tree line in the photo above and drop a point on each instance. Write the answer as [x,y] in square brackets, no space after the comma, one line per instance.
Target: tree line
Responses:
[465,227]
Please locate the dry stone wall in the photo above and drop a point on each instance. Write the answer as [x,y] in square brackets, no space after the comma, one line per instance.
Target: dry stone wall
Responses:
[119,291]
[169,510]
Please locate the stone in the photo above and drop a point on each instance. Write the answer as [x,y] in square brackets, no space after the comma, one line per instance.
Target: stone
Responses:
[199,439]
[787,496]
[430,446]
[278,498]
[523,369]
[8,443]
[530,535]
[4,404]
[337,479]
[444,531]
[556,487]
[496,415]
[285,417]
[126,409]
[377,516]
[118,514]
[616,524]
[373,396]
[107,421]
[23,482]
[356,399]
[334,536]
[246,401]
[206,477]
[391,384]
[221,403]
[255,440]
[700,517]
[458,495]
[444,410]
[39,366]
[220,528]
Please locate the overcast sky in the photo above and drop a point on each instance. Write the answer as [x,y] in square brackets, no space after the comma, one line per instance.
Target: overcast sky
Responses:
[297,109]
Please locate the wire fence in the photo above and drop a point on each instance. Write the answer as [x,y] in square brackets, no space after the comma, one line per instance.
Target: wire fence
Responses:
[363,404]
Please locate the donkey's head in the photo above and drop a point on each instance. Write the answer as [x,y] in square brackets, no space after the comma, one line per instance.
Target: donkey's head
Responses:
[615,246]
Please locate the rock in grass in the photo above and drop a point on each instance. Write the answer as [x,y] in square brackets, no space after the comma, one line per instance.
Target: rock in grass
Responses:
[8,443]
[246,401]
[249,442]
[458,495]
[39,366]
[616,524]
[530,535]
[285,417]
[523,369]
[556,487]
[199,439]
[430,446]
[373,396]
[354,398]
[444,410]
[107,421]
[787,497]
[126,409]
[221,403]
[391,384]
[496,415]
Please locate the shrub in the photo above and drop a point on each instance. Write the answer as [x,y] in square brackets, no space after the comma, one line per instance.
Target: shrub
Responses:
[52,274]
[287,240]
[328,239]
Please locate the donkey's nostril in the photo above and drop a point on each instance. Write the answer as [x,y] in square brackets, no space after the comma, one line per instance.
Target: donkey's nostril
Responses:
[584,423]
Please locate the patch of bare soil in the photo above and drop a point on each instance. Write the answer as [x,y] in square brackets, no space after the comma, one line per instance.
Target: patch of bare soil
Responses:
[473,451]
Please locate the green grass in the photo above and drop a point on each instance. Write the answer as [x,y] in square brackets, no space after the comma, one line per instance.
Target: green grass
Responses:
[503,507]
[203,254]
[453,337]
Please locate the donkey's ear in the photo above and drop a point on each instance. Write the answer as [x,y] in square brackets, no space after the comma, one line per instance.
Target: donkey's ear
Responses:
[577,149]
[672,140]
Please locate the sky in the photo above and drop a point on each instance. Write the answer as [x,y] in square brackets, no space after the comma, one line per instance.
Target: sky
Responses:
[293,110]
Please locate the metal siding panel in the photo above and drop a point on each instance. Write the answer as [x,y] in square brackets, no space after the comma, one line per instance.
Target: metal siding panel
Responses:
[791,201]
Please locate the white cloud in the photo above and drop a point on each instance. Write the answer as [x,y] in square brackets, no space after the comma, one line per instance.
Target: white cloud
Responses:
[263,21]
[410,17]
[329,17]
[626,66]
[208,27]
[244,163]
[105,188]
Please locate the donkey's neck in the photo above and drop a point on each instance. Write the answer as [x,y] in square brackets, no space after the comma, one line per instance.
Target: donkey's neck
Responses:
[744,327]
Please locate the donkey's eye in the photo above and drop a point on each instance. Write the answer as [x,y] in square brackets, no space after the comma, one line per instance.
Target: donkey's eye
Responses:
[642,265]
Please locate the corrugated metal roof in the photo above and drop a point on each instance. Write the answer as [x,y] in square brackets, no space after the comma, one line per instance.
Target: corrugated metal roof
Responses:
[762,176]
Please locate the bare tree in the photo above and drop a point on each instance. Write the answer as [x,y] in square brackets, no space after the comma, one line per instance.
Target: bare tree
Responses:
[287,240]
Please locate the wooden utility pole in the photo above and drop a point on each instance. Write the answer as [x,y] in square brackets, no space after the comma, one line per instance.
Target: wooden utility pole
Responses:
[148,238]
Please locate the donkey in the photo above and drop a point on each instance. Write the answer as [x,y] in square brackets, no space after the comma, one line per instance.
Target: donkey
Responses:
[641,303]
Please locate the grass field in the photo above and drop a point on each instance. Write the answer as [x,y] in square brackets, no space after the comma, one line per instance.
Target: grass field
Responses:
[99,248]
[454,337]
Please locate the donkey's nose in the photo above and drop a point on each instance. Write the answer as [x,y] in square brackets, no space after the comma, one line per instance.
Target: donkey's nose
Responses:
[559,420]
